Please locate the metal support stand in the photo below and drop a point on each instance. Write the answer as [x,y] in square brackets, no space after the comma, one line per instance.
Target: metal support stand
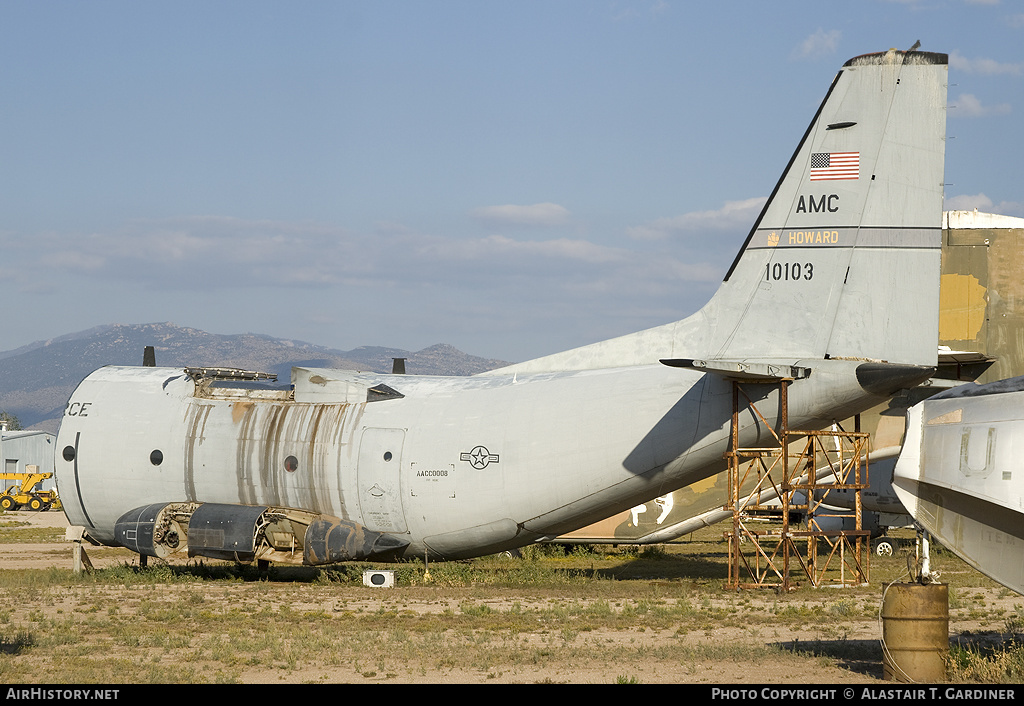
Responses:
[799,484]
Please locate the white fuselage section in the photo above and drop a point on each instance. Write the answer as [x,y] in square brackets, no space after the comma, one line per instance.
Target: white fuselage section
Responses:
[961,476]
[503,461]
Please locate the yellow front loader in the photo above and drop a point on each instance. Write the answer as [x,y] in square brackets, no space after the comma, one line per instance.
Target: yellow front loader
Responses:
[26,494]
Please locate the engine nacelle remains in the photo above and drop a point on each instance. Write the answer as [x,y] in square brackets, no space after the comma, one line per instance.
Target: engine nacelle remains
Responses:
[246,533]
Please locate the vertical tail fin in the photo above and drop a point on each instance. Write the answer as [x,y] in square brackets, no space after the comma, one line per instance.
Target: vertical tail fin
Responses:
[843,261]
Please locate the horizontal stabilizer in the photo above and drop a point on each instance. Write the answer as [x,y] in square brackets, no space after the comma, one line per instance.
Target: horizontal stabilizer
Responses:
[762,371]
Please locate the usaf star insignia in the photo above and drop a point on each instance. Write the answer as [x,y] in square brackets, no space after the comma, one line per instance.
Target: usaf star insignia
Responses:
[479,458]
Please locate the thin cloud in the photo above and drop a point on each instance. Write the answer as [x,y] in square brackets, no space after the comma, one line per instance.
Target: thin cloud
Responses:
[216,254]
[981,202]
[733,215]
[969,106]
[205,253]
[536,215]
[560,248]
[968,202]
[984,66]
[820,44]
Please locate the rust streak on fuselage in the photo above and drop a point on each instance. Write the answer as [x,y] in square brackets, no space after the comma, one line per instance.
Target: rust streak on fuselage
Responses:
[239,409]
[310,468]
[270,434]
[247,494]
[198,415]
[264,430]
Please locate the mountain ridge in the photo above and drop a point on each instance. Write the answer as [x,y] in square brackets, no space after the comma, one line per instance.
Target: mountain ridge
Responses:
[37,379]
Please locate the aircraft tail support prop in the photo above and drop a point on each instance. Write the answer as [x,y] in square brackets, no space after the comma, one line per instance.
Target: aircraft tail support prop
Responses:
[246,533]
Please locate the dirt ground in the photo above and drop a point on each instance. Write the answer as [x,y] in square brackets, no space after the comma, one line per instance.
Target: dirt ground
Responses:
[647,652]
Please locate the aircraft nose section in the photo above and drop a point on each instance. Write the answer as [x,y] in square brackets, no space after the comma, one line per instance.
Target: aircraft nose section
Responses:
[884,379]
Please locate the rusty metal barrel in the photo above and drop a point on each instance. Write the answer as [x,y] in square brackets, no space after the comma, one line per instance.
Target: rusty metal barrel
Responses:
[915,632]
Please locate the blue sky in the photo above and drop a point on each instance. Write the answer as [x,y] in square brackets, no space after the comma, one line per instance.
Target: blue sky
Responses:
[512,178]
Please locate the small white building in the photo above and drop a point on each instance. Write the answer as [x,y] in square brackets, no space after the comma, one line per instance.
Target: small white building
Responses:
[23,448]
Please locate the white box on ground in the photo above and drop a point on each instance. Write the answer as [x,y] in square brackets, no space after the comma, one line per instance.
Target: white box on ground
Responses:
[378,578]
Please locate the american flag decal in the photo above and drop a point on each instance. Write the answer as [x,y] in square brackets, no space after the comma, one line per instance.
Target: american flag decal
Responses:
[827,166]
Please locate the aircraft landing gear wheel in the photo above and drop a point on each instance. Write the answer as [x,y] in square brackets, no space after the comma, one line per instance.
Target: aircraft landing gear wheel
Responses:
[884,547]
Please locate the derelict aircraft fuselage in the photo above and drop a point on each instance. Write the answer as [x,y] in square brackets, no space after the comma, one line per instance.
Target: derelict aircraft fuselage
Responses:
[840,301]
[961,476]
